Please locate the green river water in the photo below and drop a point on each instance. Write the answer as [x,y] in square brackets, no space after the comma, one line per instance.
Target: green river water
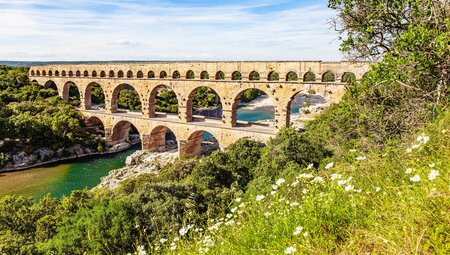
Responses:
[61,178]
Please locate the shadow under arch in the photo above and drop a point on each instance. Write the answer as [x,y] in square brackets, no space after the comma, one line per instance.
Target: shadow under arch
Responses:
[96,125]
[164,99]
[161,139]
[124,132]
[204,101]
[199,143]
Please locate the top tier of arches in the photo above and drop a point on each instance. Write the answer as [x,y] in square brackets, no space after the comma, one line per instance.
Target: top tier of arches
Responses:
[219,71]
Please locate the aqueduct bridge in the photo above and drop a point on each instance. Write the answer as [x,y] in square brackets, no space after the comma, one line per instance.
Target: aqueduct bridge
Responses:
[281,80]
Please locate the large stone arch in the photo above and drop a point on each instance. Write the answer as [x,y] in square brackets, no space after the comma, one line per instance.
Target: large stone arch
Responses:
[115,96]
[192,145]
[152,98]
[190,98]
[120,131]
[66,91]
[88,95]
[156,139]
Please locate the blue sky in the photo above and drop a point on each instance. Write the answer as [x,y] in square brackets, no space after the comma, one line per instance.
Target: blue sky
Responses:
[86,30]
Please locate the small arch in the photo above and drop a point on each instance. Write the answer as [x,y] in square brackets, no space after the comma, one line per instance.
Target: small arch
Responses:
[111,74]
[57,73]
[254,76]
[348,77]
[70,74]
[125,132]
[32,73]
[63,73]
[291,76]
[96,125]
[273,76]
[151,75]
[163,75]
[220,75]
[86,74]
[51,85]
[71,94]
[305,104]
[140,75]
[190,75]
[243,108]
[161,139]
[50,73]
[328,77]
[176,75]
[44,73]
[129,74]
[236,76]
[102,74]
[204,75]
[94,73]
[125,97]
[204,101]
[38,73]
[309,77]
[78,73]
[120,74]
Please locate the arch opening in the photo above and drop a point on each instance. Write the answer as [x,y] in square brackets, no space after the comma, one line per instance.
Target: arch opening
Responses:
[348,77]
[161,139]
[94,73]
[151,75]
[71,94]
[305,105]
[190,75]
[125,134]
[204,103]
[292,76]
[103,74]
[50,73]
[328,77]
[204,75]
[63,73]
[57,73]
[220,75]
[236,76]
[70,74]
[309,77]
[163,102]
[96,126]
[33,73]
[129,74]
[94,97]
[199,143]
[163,75]
[176,75]
[125,97]
[120,74]
[51,85]
[38,73]
[111,74]
[253,106]
[273,76]
[254,76]
[140,75]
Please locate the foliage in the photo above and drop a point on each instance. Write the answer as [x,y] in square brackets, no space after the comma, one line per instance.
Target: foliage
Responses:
[205,97]
[129,99]
[250,94]
[309,76]
[166,101]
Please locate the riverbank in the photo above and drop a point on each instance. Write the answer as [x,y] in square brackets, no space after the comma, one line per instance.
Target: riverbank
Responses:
[22,161]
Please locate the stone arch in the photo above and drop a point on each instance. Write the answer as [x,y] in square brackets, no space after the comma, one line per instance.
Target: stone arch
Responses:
[50,73]
[247,114]
[304,102]
[207,99]
[63,73]
[51,85]
[204,75]
[140,75]
[92,97]
[116,93]
[71,93]
[120,74]
[70,74]
[159,140]
[86,74]
[328,77]
[220,75]
[102,74]
[176,75]
[190,75]
[111,74]
[273,76]
[153,101]
[163,74]
[130,74]
[94,73]
[309,77]
[348,77]
[151,75]
[197,142]
[38,73]
[120,132]
[236,76]
[32,73]
[254,76]
[57,73]
[78,73]
[96,124]
[44,73]
[292,76]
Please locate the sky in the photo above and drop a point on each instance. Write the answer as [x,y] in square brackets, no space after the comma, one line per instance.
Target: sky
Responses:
[101,30]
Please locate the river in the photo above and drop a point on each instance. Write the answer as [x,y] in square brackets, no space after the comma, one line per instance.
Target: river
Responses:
[61,179]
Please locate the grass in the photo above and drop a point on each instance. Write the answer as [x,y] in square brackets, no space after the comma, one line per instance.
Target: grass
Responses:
[363,204]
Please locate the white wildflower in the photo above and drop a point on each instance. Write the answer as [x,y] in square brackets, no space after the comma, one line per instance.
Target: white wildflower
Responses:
[140,250]
[230,222]
[305,191]
[298,230]
[310,166]
[336,176]
[423,139]
[267,214]
[409,150]
[290,250]
[408,170]
[329,165]
[281,199]
[260,197]
[349,188]
[415,178]
[274,187]
[280,181]
[163,240]
[360,158]
[238,199]
[433,174]
[305,234]
[415,146]
[377,189]
[317,179]
[273,192]
[233,209]
[432,165]
[183,231]
[305,176]
[173,246]
[241,205]
[342,182]
[292,204]
[229,216]
[295,183]
[352,150]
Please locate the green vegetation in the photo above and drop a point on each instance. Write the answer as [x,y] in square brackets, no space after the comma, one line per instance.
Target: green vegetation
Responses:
[129,99]
[166,101]
[309,76]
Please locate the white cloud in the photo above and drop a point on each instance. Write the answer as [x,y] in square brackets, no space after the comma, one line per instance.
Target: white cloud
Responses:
[159,31]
